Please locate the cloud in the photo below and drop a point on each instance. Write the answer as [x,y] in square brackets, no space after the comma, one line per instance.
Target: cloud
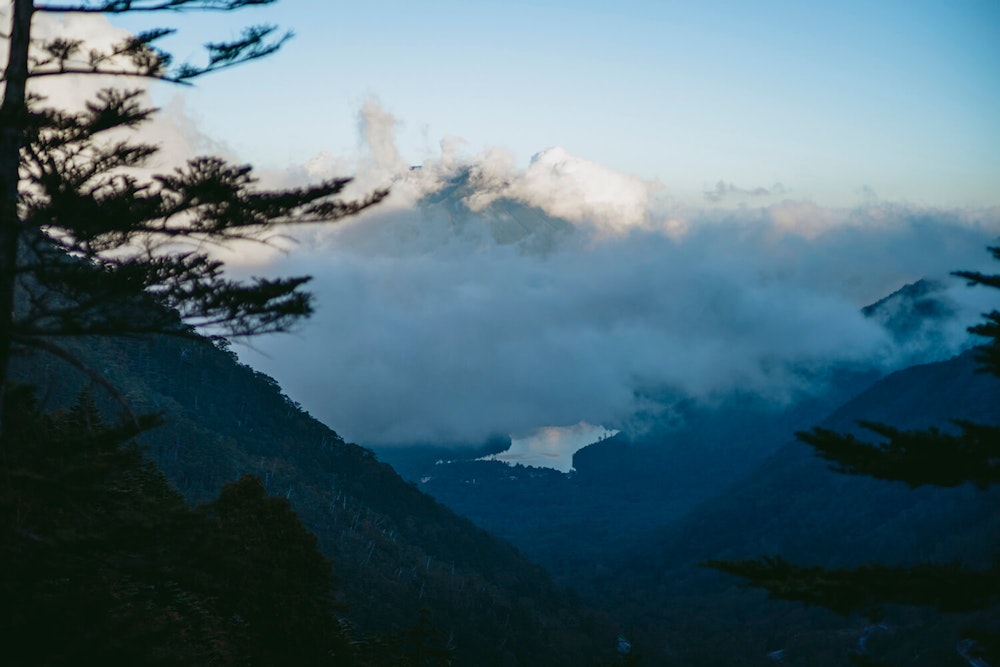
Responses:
[560,184]
[491,299]
[724,190]
[95,32]
[484,297]
[377,126]
[568,187]
[173,129]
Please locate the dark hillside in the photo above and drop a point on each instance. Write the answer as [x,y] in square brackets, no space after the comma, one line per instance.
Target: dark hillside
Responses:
[793,505]
[624,485]
[665,461]
[395,550]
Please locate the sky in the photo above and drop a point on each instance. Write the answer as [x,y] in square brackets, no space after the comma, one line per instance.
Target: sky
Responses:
[831,102]
[616,207]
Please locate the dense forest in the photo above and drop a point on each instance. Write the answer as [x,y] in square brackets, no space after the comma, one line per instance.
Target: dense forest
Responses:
[402,561]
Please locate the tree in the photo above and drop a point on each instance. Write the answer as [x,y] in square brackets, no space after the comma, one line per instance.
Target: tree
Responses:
[97,550]
[917,457]
[90,247]
[277,581]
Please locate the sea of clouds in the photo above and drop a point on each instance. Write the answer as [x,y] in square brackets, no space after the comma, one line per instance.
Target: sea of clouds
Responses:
[486,297]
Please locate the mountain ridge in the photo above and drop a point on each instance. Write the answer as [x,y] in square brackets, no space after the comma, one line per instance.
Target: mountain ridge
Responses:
[395,549]
[793,505]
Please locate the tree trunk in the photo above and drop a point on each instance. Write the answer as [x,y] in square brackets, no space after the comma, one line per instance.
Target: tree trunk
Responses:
[13,114]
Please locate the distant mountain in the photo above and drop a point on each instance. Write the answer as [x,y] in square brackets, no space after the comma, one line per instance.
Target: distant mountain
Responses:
[509,221]
[922,319]
[395,550]
[912,307]
[918,397]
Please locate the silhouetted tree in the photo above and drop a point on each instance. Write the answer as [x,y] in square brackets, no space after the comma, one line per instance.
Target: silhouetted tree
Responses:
[99,556]
[278,583]
[917,457]
[87,245]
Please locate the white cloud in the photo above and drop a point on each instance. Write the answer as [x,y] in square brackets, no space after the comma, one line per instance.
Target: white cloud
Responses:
[377,127]
[172,129]
[441,321]
[485,298]
[562,292]
[568,187]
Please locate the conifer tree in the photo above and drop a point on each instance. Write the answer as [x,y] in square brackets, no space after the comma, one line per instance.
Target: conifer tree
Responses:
[89,247]
[916,457]
[96,547]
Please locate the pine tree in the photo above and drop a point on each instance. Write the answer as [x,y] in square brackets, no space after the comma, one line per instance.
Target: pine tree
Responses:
[100,556]
[87,246]
[916,457]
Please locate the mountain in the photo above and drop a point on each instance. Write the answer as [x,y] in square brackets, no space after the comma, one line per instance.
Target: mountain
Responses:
[628,527]
[508,220]
[913,307]
[395,550]
[663,463]
[572,524]
[793,505]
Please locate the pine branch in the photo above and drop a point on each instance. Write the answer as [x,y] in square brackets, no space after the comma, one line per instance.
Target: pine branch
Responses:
[918,457]
[130,297]
[131,74]
[123,6]
[948,588]
[977,278]
[989,354]
[138,56]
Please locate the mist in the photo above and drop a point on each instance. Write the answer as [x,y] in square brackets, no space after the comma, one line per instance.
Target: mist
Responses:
[488,297]
[485,298]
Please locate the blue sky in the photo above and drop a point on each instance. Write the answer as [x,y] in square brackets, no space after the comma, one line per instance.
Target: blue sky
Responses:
[834,101]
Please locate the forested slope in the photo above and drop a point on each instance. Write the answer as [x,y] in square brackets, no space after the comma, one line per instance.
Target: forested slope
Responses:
[793,505]
[395,550]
